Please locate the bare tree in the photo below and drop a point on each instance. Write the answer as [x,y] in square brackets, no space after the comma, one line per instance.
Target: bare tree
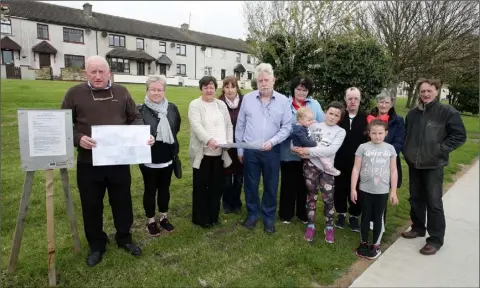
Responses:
[424,38]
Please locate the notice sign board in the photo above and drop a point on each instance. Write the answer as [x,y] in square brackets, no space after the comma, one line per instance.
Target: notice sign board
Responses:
[46,139]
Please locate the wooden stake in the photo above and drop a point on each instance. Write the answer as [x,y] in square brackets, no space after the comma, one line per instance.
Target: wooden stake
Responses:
[70,210]
[22,214]
[50,228]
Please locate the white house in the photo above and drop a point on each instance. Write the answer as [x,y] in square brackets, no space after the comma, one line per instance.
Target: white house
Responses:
[45,38]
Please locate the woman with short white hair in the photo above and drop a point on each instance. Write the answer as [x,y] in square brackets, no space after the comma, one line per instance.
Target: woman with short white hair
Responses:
[164,120]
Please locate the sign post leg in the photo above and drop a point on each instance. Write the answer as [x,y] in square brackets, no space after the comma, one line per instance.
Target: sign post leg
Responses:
[52,281]
[22,214]
[70,211]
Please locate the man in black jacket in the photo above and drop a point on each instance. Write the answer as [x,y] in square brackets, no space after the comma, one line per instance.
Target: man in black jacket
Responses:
[433,130]
[355,125]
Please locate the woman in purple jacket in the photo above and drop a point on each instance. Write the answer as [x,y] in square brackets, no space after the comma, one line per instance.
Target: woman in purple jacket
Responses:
[232,96]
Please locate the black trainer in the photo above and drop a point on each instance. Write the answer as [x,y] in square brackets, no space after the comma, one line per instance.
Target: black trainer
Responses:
[166,225]
[354,225]
[340,223]
[362,250]
[373,252]
[153,230]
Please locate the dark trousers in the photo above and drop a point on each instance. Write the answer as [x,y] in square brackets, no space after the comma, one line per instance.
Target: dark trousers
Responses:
[343,203]
[426,191]
[373,209]
[156,183]
[207,191]
[293,191]
[266,164]
[232,191]
[92,181]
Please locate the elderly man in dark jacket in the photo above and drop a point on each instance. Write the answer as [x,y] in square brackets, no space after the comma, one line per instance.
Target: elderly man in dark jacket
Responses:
[433,130]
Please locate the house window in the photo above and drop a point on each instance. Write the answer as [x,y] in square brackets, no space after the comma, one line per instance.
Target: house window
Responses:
[6,27]
[208,71]
[116,40]
[163,47]
[119,65]
[181,69]
[224,54]
[75,61]
[249,60]
[239,57]
[208,52]
[249,75]
[42,31]
[140,43]
[72,35]
[181,50]
[7,57]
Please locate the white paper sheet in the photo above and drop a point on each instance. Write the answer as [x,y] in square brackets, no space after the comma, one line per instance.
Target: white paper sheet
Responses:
[46,133]
[121,145]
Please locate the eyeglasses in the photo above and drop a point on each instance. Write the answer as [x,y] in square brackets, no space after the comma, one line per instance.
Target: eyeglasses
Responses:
[156,90]
[102,99]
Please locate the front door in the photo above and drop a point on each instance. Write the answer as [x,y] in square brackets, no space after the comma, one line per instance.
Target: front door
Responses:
[44,60]
[140,68]
[163,69]
[237,75]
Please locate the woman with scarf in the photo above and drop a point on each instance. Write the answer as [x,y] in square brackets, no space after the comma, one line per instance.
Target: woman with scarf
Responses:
[396,129]
[164,120]
[232,96]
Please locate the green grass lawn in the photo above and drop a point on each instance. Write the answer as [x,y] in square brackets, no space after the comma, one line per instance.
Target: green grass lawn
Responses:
[227,255]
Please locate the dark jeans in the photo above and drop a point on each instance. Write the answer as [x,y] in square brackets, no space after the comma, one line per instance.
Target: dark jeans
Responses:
[156,183]
[293,192]
[232,191]
[343,203]
[426,191]
[373,209]
[207,191]
[92,181]
[266,164]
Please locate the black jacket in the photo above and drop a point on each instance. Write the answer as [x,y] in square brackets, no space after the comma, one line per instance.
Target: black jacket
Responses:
[395,136]
[432,132]
[356,135]
[162,152]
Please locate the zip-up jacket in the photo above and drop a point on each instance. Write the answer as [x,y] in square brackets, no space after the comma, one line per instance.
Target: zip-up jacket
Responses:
[432,131]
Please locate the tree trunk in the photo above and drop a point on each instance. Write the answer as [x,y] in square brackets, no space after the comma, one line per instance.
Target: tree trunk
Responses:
[414,99]
[411,87]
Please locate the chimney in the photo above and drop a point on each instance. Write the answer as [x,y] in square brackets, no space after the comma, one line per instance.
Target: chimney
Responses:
[87,9]
[184,27]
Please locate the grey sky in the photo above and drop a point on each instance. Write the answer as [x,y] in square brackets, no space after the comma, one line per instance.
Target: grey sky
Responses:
[224,18]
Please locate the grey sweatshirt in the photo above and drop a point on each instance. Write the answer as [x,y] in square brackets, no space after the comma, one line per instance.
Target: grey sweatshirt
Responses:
[328,138]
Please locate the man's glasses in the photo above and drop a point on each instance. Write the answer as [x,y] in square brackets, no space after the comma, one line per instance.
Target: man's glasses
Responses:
[102,99]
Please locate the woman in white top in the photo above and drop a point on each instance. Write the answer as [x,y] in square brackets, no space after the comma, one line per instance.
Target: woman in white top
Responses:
[210,125]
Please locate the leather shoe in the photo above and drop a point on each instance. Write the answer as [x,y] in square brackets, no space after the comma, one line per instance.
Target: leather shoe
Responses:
[249,224]
[412,234]
[132,249]
[429,249]
[94,258]
[269,229]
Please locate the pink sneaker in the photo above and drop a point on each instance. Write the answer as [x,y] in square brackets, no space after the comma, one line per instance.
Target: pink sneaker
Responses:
[329,235]
[309,234]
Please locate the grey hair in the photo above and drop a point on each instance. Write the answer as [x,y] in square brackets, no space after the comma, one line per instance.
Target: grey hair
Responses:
[353,89]
[156,78]
[382,96]
[264,68]
[96,58]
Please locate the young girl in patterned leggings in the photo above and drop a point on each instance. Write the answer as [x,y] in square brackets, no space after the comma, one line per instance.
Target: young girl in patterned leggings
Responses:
[329,137]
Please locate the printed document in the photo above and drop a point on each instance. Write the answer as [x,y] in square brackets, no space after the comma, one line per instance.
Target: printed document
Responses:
[121,145]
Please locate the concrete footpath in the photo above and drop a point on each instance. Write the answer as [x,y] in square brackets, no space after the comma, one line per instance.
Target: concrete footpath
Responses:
[456,264]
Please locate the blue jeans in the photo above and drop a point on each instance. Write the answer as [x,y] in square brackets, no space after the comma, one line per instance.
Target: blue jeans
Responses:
[267,164]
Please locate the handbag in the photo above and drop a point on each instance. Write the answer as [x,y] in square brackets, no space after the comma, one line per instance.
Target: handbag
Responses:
[177,167]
